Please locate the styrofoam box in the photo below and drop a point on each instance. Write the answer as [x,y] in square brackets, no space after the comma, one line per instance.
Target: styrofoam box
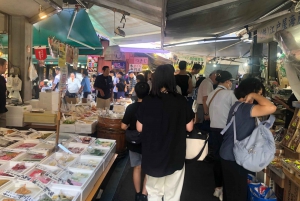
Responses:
[35,103]
[67,128]
[68,192]
[15,121]
[86,186]
[17,110]
[15,146]
[49,168]
[10,164]
[58,156]
[85,128]
[49,101]
[16,184]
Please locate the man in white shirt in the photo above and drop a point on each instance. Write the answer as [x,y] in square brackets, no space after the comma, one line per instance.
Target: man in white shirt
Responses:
[73,86]
[205,88]
[56,80]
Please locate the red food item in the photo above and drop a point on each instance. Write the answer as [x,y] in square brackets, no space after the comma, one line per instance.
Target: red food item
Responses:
[26,145]
[38,156]
[19,167]
[37,174]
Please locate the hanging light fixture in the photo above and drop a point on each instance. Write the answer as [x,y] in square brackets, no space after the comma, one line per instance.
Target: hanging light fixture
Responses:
[42,14]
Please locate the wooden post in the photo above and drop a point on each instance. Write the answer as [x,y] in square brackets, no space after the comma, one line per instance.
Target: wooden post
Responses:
[58,120]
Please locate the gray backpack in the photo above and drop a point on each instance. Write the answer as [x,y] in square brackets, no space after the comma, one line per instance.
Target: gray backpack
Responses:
[256,151]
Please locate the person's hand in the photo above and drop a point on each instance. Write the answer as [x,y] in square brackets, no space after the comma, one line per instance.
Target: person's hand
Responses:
[101,92]
[129,95]
[206,117]
[249,98]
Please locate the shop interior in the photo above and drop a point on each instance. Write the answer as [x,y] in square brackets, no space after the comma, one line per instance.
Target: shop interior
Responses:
[79,150]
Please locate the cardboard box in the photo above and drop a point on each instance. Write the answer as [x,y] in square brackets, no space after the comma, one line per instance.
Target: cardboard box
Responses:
[291,187]
[72,100]
[49,101]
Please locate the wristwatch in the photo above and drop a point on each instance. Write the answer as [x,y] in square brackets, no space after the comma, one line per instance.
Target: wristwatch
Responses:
[206,114]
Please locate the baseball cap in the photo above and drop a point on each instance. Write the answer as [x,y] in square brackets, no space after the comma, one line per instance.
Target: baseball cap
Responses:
[223,76]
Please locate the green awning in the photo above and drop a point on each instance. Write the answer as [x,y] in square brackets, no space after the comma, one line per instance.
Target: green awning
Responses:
[58,26]
[4,40]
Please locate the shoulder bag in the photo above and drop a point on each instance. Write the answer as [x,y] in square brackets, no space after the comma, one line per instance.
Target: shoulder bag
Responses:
[196,145]
[133,136]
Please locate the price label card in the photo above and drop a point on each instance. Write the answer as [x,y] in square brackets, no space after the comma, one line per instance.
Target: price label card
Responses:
[44,188]
[18,196]
[17,175]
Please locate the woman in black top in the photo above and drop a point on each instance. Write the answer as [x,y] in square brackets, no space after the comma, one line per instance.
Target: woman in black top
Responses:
[163,118]
[183,80]
[121,88]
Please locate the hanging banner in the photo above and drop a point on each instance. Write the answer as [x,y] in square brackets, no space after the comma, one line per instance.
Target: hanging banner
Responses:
[140,60]
[69,54]
[75,58]
[267,31]
[135,67]
[63,77]
[40,53]
[118,65]
[62,55]
[190,59]
[54,47]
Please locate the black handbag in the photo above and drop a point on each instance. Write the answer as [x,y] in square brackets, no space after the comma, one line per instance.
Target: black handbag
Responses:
[133,136]
[196,145]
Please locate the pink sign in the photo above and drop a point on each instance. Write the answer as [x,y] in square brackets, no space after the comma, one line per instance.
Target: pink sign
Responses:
[140,60]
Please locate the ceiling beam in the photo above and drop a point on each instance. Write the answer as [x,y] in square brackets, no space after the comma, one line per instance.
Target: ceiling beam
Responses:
[49,11]
[199,9]
[147,14]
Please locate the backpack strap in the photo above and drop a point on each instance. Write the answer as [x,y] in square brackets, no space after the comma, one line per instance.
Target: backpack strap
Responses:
[232,120]
[269,123]
[214,97]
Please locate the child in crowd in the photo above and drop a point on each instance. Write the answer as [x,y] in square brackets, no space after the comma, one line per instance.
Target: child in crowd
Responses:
[135,150]
[120,88]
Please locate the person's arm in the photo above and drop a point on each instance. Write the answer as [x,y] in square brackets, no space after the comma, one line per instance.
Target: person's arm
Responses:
[124,126]
[280,101]
[190,126]
[190,89]
[139,126]
[264,106]
[205,107]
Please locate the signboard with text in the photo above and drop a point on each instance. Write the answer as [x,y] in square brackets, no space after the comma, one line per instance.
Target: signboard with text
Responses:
[140,60]
[120,65]
[267,31]
[135,67]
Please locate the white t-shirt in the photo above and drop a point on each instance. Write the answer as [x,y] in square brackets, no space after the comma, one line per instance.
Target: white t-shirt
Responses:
[56,80]
[205,88]
[194,80]
[73,86]
[220,106]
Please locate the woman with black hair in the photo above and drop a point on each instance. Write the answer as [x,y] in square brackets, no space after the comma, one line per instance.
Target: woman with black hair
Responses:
[234,175]
[148,77]
[163,118]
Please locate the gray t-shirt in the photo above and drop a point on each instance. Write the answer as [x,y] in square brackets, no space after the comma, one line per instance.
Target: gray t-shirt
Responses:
[245,124]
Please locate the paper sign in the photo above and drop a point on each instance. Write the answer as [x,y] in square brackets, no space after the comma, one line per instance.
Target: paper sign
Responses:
[140,60]
[135,67]
[17,196]
[15,174]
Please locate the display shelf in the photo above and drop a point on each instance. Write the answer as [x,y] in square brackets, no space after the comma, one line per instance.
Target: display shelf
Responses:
[100,180]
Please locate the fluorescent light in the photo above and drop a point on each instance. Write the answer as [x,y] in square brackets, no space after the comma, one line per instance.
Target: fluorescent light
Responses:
[246,64]
[142,45]
[278,54]
[215,65]
[43,15]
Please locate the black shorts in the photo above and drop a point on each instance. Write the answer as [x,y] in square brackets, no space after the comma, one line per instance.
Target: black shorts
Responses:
[115,95]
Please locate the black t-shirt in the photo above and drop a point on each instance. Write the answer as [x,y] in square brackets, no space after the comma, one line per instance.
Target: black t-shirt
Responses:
[105,83]
[183,82]
[163,136]
[288,114]
[120,87]
[130,118]
[2,95]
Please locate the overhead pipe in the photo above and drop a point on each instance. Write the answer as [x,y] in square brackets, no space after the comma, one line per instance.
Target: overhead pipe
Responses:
[72,39]
[204,40]
[276,9]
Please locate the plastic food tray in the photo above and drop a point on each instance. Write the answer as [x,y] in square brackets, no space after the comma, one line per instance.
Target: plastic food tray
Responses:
[86,186]
[75,194]
[63,137]
[288,165]
[16,145]
[99,143]
[26,155]
[14,185]
[7,151]
[10,164]
[51,169]
[81,138]
[75,145]
[52,162]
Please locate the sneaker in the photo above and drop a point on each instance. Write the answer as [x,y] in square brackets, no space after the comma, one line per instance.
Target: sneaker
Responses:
[143,197]
[221,197]
[137,196]
[218,192]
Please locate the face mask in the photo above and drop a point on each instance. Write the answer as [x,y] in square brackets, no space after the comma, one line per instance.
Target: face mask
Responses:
[230,85]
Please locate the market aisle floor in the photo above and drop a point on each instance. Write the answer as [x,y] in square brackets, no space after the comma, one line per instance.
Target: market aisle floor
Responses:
[198,184]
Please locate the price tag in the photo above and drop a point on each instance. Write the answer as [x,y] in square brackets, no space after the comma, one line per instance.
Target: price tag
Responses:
[50,175]
[18,196]
[15,174]
[44,188]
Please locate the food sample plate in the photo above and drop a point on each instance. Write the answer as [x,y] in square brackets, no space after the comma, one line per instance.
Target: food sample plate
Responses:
[24,145]
[39,174]
[63,137]
[75,148]
[9,155]
[83,139]
[87,163]
[104,143]
[32,157]
[59,195]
